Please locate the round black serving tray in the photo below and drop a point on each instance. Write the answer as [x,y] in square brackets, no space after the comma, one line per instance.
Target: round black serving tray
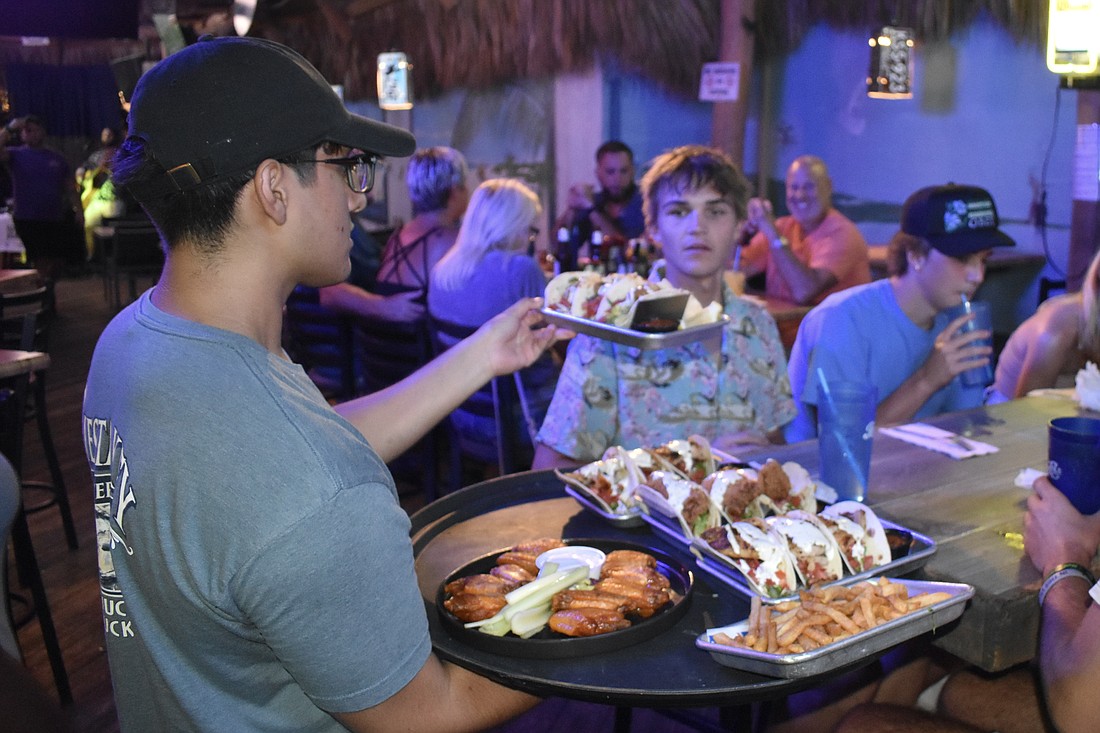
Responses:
[548,644]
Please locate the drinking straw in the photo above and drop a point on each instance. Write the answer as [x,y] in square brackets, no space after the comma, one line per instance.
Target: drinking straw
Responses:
[846,449]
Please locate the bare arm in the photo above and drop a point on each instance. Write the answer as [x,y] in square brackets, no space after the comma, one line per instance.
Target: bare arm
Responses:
[1069,648]
[353,300]
[954,352]
[396,417]
[806,282]
[442,697]
[547,457]
[1044,361]
[604,223]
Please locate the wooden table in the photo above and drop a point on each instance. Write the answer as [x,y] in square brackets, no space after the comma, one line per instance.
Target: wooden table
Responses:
[14,363]
[975,513]
[18,280]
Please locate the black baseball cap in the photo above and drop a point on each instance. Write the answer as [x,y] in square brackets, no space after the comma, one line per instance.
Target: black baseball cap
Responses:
[221,106]
[957,220]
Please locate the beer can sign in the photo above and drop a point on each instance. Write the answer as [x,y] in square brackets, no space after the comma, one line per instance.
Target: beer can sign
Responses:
[394,81]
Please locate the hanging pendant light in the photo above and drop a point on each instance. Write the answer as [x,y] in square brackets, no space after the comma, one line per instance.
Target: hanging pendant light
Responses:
[891,74]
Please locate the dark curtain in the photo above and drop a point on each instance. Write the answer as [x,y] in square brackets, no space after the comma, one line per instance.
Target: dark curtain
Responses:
[74,101]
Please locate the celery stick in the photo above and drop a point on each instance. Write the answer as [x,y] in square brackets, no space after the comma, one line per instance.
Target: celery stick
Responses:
[499,616]
[537,586]
[498,628]
[530,622]
[542,594]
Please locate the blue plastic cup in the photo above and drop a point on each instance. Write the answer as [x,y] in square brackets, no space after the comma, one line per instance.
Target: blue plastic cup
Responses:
[1074,461]
[845,426]
[982,321]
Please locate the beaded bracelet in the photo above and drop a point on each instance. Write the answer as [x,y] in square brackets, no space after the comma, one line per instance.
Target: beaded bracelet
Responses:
[1063,571]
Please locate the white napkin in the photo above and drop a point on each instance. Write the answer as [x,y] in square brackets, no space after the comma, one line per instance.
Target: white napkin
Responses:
[1088,387]
[939,440]
[1026,477]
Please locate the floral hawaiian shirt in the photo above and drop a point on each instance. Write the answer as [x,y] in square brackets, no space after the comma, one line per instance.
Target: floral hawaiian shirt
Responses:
[609,394]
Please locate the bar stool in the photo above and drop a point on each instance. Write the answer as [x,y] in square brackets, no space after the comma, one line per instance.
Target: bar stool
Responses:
[17,332]
[16,368]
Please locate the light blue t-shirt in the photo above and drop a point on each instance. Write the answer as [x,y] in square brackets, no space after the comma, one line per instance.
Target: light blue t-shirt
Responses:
[255,565]
[862,335]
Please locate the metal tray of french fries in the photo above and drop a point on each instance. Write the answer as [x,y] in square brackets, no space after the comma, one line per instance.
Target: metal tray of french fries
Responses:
[637,339]
[633,517]
[848,649]
[719,567]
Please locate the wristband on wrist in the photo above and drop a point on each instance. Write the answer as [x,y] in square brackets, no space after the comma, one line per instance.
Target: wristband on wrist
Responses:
[1060,573]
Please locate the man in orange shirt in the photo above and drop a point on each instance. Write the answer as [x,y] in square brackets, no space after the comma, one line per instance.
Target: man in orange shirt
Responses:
[813,252]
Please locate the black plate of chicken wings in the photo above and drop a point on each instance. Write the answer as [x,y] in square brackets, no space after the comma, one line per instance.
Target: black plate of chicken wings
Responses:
[548,644]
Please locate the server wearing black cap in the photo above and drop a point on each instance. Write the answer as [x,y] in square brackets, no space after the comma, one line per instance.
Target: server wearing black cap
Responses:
[255,565]
[894,334]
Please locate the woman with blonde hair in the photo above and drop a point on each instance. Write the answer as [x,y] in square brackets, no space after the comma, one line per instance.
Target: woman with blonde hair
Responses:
[491,243]
[488,269]
[1055,342]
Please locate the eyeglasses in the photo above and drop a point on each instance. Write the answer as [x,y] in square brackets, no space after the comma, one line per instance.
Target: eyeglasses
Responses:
[358,170]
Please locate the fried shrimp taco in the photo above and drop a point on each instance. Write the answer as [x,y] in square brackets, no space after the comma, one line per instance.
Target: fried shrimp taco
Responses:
[610,481]
[759,553]
[691,458]
[858,533]
[680,499]
[800,495]
[738,494]
[815,553]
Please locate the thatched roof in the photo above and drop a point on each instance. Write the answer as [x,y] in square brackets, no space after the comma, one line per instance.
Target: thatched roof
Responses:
[482,43]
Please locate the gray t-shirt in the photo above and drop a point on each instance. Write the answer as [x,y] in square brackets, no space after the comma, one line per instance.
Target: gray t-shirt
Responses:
[255,564]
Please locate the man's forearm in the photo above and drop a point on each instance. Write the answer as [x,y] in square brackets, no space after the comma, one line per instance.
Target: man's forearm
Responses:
[805,282]
[1070,656]
[903,402]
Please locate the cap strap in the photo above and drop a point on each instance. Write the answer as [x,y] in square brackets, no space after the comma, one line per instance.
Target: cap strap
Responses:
[184,176]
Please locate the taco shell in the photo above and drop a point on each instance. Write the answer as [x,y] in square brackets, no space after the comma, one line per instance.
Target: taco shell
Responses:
[815,553]
[609,481]
[763,558]
[859,534]
[686,503]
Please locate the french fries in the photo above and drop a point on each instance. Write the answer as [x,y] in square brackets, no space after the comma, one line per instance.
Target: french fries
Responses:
[822,616]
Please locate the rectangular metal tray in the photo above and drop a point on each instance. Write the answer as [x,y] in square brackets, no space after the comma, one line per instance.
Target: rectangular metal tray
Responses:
[637,339]
[716,565]
[635,518]
[845,651]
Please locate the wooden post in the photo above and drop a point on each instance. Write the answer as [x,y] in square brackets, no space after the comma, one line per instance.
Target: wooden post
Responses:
[1084,233]
[735,45]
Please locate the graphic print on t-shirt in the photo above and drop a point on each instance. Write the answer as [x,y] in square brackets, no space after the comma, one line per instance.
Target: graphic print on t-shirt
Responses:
[114,495]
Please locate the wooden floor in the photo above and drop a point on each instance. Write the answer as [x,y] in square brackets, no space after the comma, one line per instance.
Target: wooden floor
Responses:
[70,576]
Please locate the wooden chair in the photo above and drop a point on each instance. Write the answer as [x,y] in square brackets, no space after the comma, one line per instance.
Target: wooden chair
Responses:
[24,325]
[133,251]
[321,340]
[387,352]
[497,401]
[16,370]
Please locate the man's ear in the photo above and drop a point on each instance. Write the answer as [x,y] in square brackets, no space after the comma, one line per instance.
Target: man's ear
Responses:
[270,189]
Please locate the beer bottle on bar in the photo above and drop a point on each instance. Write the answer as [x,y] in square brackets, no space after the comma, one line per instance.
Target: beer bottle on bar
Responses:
[595,252]
[566,254]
